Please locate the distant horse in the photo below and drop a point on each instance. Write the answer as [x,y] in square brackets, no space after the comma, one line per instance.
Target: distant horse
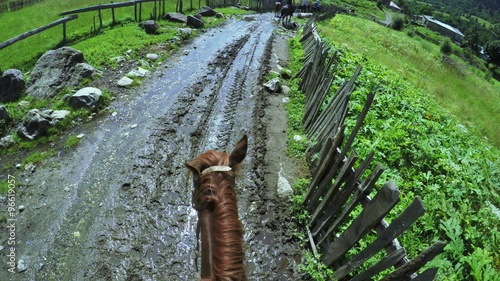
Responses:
[287,13]
[303,8]
[277,9]
[215,200]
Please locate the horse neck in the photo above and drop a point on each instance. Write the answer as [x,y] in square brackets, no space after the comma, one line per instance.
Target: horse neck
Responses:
[222,232]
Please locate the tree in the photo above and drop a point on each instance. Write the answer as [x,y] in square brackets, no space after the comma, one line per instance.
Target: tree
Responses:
[492,49]
[471,38]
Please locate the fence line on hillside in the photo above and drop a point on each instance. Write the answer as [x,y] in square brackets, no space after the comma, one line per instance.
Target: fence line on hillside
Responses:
[6,6]
[112,6]
[25,35]
[336,188]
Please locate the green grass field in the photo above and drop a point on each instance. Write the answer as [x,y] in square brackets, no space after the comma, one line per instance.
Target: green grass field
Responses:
[457,87]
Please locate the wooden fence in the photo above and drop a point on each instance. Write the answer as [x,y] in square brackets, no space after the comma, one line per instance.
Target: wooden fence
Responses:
[6,5]
[158,10]
[336,188]
[25,35]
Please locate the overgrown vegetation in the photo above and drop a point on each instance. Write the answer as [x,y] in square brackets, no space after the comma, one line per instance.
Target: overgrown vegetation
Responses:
[425,149]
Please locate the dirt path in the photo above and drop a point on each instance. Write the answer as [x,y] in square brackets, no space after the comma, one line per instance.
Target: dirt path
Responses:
[118,206]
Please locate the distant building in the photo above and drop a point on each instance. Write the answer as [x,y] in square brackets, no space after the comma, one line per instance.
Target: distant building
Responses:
[394,7]
[441,27]
[391,5]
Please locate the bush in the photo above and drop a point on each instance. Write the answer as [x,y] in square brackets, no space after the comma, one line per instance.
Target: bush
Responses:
[446,46]
[398,23]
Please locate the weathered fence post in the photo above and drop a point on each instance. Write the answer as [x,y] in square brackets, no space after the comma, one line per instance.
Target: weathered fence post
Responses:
[113,15]
[100,18]
[64,32]
[135,11]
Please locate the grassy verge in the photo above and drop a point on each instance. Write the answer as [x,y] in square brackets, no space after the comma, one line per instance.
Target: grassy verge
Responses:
[424,148]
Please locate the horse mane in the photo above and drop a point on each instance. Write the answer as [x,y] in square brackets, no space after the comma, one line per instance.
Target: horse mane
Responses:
[216,193]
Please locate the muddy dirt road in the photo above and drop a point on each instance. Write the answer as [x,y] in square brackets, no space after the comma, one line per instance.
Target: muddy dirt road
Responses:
[118,207]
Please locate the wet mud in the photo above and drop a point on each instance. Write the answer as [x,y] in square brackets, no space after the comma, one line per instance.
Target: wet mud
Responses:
[118,207]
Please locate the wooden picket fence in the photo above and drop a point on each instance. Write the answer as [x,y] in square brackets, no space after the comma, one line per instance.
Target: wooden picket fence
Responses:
[336,188]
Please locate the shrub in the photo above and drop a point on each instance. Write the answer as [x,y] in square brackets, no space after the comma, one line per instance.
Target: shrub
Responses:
[398,23]
[446,46]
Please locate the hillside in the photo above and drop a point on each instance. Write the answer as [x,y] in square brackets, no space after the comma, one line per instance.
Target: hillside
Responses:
[486,9]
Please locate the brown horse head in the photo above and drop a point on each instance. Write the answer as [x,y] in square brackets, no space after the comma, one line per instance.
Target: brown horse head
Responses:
[215,200]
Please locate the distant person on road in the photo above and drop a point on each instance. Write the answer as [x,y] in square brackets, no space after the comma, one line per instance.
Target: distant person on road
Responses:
[316,6]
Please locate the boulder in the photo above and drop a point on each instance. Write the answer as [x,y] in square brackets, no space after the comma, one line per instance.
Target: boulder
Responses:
[138,72]
[56,115]
[36,123]
[153,57]
[12,85]
[175,17]
[194,22]
[57,69]
[119,60]
[125,81]
[150,26]
[207,11]
[273,85]
[185,33]
[87,97]
[4,119]
[4,115]
[23,104]
[7,141]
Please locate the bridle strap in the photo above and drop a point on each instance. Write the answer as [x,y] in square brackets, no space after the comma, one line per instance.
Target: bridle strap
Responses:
[216,169]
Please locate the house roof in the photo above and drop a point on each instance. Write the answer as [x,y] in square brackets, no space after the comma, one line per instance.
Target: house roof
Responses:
[393,5]
[447,26]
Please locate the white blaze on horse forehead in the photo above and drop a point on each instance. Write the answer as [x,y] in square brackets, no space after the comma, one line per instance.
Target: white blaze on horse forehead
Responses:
[216,169]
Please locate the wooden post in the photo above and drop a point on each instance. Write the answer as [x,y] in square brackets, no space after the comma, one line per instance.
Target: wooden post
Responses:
[140,11]
[135,12]
[64,32]
[100,18]
[154,11]
[113,15]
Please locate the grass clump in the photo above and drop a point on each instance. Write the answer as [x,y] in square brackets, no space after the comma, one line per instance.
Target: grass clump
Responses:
[71,142]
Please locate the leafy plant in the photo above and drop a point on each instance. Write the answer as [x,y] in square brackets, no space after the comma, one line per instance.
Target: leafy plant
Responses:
[312,267]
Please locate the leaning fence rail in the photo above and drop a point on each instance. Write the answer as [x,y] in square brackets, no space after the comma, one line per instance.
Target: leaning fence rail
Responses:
[158,9]
[38,30]
[336,188]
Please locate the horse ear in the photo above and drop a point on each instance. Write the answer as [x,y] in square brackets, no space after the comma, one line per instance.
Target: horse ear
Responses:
[191,167]
[239,152]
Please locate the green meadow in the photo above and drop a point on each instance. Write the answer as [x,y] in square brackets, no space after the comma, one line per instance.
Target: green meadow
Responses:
[456,86]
